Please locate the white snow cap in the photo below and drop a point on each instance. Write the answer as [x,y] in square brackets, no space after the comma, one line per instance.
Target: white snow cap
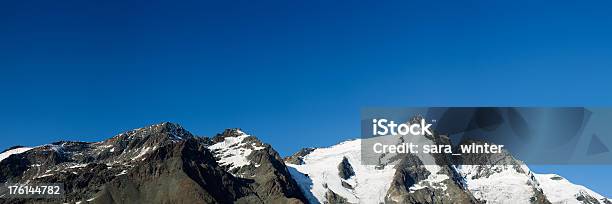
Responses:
[8,153]
[233,150]
[369,184]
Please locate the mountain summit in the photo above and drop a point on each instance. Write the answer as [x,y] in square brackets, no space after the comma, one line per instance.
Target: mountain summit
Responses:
[164,163]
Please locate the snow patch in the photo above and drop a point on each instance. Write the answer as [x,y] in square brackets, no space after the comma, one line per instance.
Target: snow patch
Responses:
[255,147]
[233,152]
[506,185]
[106,146]
[77,166]
[122,173]
[56,148]
[44,175]
[143,151]
[559,190]
[8,153]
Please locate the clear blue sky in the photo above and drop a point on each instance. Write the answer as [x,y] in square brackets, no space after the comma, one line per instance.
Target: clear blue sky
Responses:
[294,73]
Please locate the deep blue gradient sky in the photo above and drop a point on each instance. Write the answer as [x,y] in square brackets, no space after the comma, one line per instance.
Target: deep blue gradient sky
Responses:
[294,73]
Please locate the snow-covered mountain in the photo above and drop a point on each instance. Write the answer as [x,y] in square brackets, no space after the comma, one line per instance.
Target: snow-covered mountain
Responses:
[318,173]
[366,183]
[165,163]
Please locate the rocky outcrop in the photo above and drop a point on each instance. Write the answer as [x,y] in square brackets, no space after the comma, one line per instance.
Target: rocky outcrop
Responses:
[297,158]
[333,198]
[345,170]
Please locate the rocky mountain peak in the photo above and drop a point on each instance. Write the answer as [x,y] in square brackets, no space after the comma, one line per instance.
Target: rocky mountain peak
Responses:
[165,129]
[138,165]
[227,133]
[298,157]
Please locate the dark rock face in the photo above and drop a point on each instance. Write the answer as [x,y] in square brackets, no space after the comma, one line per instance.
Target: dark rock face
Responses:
[182,172]
[585,198]
[345,170]
[333,198]
[297,158]
[538,197]
[162,163]
[411,171]
[556,178]
[347,185]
